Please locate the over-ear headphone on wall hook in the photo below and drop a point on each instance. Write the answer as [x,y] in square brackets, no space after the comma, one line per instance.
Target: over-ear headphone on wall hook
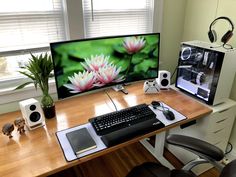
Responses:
[226,37]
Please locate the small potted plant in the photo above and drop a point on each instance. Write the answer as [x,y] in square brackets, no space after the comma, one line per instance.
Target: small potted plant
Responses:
[38,70]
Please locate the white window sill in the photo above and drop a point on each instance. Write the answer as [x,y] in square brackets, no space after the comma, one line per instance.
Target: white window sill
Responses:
[9,95]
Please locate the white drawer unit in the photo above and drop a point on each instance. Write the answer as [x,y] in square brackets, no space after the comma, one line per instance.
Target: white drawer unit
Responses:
[220,123]
[214,128]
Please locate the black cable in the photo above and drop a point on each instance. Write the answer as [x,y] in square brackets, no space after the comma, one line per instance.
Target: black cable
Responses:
[173,73]
[163,107]
[230,148]
[111,99]
[229,46]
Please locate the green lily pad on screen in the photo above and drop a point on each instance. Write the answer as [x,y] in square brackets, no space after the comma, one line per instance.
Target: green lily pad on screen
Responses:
[151,40]
[124,64]
[156,52]
[63,79]
[138,57]
[119,48]
[145,65]
[148,49]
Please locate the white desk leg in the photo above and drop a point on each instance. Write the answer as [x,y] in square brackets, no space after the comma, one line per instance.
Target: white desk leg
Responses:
[158,150]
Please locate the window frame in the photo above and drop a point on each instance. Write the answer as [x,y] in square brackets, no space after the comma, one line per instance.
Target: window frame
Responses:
[8,94]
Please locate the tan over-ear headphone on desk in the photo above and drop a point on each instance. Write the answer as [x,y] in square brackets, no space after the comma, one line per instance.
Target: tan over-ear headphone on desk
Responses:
[226,37]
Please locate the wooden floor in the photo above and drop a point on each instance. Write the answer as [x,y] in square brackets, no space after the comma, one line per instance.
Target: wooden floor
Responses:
[119,163]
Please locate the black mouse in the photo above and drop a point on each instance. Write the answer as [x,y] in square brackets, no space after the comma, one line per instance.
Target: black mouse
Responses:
[169,115]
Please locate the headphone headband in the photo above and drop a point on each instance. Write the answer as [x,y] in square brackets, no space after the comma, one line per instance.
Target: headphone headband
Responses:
[223,18]
[226,37]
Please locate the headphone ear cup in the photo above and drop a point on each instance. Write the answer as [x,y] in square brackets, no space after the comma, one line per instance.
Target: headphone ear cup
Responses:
[227,36]
[212,35]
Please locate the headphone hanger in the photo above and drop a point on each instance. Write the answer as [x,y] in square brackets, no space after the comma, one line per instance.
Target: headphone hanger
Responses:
[225,38]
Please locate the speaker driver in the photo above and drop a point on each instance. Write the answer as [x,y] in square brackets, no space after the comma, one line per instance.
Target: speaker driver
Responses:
[32,107]
[34,117]
[165,75]
[164,82]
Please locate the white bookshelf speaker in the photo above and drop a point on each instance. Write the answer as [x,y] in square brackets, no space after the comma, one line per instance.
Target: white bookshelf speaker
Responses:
[163,79]
[32,113]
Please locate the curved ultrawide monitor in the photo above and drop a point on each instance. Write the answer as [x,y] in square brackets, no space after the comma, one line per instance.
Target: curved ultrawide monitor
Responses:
[89,64]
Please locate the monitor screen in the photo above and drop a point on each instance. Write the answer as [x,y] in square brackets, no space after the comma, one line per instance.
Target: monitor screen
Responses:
[89,64]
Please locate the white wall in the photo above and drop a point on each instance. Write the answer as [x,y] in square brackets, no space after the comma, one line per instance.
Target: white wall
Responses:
[198,16]
[172,31]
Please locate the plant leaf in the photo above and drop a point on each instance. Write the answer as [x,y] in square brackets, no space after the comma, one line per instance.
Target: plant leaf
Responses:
[38,70]
[23,85]
[28,75]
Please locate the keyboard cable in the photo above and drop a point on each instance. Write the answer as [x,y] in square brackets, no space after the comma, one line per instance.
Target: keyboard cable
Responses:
[111,99]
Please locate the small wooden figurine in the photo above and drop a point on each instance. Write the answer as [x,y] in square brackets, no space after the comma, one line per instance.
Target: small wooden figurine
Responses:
[7,129]
[20,123]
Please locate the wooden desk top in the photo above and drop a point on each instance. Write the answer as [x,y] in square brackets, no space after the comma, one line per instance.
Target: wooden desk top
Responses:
[38,153]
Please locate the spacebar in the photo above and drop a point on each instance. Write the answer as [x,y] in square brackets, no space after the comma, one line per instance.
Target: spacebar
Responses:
[127,133]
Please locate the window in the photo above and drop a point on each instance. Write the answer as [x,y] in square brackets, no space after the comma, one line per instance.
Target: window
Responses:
[117,17]
[27,26]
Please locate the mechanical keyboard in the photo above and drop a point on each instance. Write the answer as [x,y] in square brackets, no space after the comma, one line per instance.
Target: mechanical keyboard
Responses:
[119,126]
[120,119]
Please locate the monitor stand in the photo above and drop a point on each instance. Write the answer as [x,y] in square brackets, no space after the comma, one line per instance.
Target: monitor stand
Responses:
[120,88]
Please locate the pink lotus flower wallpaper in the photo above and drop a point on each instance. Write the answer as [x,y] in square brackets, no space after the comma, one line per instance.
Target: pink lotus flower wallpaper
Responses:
[133,44]
[108,74]
[81,82]
[84,65]
[95,62]
[99,72]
